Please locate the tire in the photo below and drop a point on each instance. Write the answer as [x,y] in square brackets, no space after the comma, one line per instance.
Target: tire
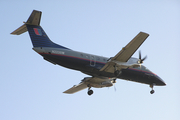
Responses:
[90,92]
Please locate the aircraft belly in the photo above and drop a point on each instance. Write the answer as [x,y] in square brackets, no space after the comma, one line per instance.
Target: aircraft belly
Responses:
[68,62]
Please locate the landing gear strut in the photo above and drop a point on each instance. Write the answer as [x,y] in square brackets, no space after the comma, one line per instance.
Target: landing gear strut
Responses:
[152,91]
[90,92]
[116,71]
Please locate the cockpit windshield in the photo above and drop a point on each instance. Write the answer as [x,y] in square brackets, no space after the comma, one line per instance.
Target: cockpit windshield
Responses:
[144,68]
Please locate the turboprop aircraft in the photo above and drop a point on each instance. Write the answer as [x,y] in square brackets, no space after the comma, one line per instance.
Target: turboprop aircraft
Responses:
[104,71]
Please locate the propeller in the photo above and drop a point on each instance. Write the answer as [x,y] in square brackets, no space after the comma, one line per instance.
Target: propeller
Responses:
[114,87]
[141,59]
[114,81]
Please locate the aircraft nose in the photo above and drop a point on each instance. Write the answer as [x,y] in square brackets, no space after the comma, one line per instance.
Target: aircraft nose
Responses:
[160,81]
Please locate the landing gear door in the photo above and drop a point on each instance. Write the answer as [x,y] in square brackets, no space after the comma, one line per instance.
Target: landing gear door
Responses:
[92,60]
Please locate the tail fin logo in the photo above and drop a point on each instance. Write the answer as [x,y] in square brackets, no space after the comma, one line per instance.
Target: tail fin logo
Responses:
[37,31]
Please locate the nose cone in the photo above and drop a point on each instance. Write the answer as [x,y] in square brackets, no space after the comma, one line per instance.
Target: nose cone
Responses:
[160,82]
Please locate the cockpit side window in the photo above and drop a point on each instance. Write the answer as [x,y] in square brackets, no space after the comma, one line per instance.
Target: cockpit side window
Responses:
[146,69]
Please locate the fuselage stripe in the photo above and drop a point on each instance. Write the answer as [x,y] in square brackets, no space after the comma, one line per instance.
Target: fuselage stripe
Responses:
[73,57]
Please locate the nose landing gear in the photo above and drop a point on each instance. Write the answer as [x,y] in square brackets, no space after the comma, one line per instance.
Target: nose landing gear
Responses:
[152,91]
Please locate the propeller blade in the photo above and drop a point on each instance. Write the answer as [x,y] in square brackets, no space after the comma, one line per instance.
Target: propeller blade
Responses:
[140,55]
[144,58]
[114,87]
[114,81]
[141,60]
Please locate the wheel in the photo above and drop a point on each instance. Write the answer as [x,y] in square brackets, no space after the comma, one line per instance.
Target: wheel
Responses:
[116,73]
[90,92]
[152,91]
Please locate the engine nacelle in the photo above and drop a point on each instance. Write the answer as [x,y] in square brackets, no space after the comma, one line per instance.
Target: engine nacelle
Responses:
[107,84]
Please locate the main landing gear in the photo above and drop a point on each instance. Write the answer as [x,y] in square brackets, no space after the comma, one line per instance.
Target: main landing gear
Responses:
[90,92]
[152,91]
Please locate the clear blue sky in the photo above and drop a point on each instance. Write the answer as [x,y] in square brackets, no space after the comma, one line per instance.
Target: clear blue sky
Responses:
[31,88]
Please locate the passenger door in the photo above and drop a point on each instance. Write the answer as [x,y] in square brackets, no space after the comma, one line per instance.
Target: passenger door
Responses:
[92,60]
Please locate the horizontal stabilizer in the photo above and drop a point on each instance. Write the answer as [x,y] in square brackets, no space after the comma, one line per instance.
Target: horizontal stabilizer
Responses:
[34,19]
[20,30]
[76,88]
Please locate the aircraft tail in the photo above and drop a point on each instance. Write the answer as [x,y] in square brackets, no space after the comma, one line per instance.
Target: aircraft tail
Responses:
[34,19]
[37,34]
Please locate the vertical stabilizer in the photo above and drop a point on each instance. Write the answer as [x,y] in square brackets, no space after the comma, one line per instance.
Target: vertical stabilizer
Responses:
[39,37]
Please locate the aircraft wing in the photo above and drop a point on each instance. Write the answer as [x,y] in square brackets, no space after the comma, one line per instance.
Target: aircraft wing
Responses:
[97,82]
[126,52]
[76,88]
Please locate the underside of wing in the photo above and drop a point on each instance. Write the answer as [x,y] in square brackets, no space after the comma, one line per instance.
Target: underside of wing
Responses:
[109,67]
[76,88]
[88,82]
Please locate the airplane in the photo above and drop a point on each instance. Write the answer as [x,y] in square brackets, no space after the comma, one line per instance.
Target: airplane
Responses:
[103,71]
